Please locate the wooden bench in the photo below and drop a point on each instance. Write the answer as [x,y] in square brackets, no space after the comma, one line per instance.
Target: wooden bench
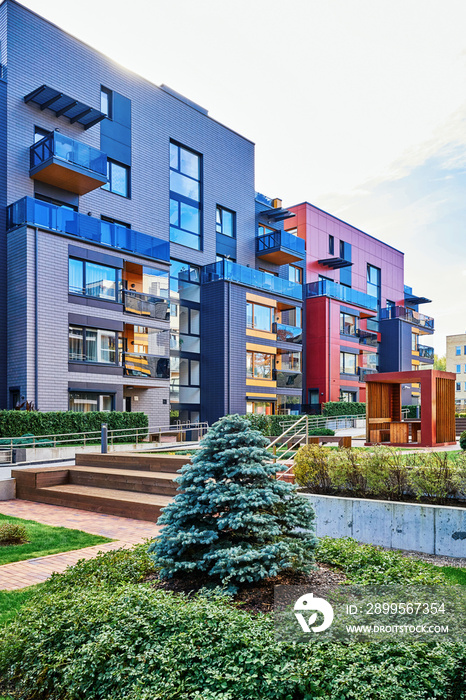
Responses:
[341,440]
[178,435]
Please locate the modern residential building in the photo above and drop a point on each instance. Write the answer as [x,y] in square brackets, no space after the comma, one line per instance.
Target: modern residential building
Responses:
[139,270]
[456,363]
[360,317]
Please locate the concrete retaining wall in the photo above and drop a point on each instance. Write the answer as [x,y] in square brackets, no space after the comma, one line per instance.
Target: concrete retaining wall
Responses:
[421,528]
[7,489]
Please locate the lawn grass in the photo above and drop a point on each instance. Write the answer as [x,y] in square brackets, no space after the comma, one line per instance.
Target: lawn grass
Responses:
[44,540]
[12,601]
[455,575]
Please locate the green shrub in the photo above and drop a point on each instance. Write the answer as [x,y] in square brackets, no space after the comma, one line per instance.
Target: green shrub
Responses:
[463,440]
[368,564]
[321,431]
[311,468]
[347,471]
[134,643]
[13,533]
[19,423]
[435,477]
[343,408]
[230,520]
[276,425]
[410,411]
[386,473]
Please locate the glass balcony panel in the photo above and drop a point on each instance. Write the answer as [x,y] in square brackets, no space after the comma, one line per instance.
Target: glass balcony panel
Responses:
[146,305]
[280,247]
[139,365]
[426,352]
[189,394]
[59,146]
[327,288]
[288,334]
[409,315]
[288,380]
[36,213]
[232,272]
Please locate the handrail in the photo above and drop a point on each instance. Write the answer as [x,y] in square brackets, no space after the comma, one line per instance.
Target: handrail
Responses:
[90,436]
[293,425]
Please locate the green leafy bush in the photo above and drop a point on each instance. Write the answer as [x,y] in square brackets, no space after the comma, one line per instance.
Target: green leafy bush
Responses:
[435,477]
[134,643]
[410,411]
[368,564]
[347,471]
[463,440]
[13,533]
[19,423]
[231,521]
[276,425]
[311,469]
[321,431]
[343,408]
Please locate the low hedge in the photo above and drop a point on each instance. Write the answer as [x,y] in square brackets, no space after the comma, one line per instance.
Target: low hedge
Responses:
[343,408]
[276,425]
[20,423]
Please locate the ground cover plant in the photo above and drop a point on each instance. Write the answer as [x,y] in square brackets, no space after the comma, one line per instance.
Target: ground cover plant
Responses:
[42,540]
[100,630]
[382,472]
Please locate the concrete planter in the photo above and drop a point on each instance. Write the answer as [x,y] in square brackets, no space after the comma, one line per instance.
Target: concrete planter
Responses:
[7,489]
[421,528]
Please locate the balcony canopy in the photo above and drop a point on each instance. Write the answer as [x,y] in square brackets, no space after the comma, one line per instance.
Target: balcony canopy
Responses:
[46,97]
[335,263]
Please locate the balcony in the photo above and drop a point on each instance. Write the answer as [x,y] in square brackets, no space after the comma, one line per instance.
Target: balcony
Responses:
[153,366]
[232,272]
[334,290]
[368,338]
[146,305]
[32,212]
[66,163]
[288,380]
[280,248]
[426,352]
[408,315]
[364,371]
[287,334]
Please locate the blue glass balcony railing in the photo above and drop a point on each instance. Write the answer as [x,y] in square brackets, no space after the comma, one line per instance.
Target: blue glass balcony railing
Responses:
[56,145]
[232,272]
[33,212]
[280,241]
[327,288]
[288,334]
[426,352]
[407,314]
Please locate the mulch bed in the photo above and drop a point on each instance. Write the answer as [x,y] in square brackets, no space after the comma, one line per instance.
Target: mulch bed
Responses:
[257,597]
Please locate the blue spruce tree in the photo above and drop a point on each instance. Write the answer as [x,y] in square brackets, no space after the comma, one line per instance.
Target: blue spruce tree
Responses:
[231,520]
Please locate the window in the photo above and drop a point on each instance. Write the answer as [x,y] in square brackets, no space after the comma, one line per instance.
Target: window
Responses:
[219,258]
[348,324]
[373,281]
[458,369]
[390,304]
[225,222]
[263,408]
[465,368]
[331,245]
[458,349]
[259,365]
[348,396]
[55,202]
[293,231]
[268,272]
[295,274]
[185,197]
[465,349]
[263,230]
[85,401]
[289,361]
[91,345]
[118,178]
[258,317]
[184,282]
[458,386]
[92,280]
[40,133]
[414,342]
[106,102]
[348,363]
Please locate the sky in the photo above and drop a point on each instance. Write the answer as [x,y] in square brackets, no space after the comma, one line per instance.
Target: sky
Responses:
[357,106]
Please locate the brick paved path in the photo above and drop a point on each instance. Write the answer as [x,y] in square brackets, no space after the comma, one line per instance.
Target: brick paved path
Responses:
[26,573]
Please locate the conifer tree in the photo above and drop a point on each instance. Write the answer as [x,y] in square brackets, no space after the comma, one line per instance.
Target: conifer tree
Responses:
[231,519]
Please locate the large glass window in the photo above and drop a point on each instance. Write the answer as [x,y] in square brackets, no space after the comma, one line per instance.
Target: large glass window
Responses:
[106,101]
[118,178]
[91,279]
[259,365]
[348,324]
[348,363]
[185,197]
[458,350]
[259,317]
[225,222]
[373,282]
[85,401]
[263,408]
[184,282]
[91,345]
[289,361]
[295,274]
[414,342]
[348,396]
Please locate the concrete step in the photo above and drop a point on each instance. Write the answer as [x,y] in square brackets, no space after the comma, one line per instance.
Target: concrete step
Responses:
[128,504]
[161,483]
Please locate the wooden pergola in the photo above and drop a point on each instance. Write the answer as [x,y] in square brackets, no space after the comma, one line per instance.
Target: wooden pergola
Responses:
[436,425]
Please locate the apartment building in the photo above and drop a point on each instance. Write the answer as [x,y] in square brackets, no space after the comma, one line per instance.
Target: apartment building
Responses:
[360,317]
[140,270]
[456,363]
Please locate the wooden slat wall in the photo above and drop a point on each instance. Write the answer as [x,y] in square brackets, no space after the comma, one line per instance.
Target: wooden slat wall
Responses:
[395,401]
[377,405]
[445,405]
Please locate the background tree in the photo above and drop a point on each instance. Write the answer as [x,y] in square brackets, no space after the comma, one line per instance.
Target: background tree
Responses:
[232,520]
[440,362]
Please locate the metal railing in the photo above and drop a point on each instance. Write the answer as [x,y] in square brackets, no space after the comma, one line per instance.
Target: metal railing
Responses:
[56,145]
[335,290]
[232,272]
[146,305]
[93,437]
[407,314]
[280,240]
